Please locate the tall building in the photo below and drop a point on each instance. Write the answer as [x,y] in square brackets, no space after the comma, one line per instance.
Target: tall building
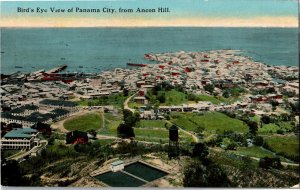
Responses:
[20,138]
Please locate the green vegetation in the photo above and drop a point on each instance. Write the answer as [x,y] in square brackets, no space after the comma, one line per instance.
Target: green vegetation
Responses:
[85,122]
[199,174]
[287,146]
[131,119]
[116,100]
[254,151]
[174,97]
[154,124]
[245,172]
[159,135]
[111,124]
[104,142]
[8,153]
[151,133]
[268,128]
[211,99]
[258,152]
[61,149]
[210,121]
[134,105]
[284,126]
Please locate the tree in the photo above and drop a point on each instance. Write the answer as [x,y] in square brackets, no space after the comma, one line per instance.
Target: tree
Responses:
[125,131]
[296,129]
[129,118]
[51,140]
[209,88]
[226,94]
[90,103]
[137,116]
[14,125]
[295,108]
[161,97]
[198,175]
[200,150]
[265,119]
[11,174]
[274,104]
[2,125]
[122,84]
[258,140]
[232,146]
[253,127]
[285,117]
[267,162]
[271,90]
[125,92]
[280,131]
[43,128]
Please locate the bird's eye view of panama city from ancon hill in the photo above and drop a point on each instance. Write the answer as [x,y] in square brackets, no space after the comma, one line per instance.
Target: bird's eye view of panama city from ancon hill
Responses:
[165,94]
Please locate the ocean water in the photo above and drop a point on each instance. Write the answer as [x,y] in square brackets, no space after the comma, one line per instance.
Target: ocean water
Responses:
[98,49]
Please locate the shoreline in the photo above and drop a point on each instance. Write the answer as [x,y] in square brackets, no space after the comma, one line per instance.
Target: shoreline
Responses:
[236,52]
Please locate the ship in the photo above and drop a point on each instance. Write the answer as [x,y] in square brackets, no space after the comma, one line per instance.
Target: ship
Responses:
[57,69]
[137,64]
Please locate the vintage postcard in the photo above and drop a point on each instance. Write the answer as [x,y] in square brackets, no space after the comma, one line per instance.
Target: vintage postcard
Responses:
[161,93]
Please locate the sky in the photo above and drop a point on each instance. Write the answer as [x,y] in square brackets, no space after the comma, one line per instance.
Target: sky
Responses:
[226,13]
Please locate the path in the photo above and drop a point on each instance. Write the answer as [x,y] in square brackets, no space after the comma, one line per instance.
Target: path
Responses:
[126,103]
[19,156]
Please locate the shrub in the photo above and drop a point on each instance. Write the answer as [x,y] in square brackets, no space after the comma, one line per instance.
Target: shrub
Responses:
[267,162]
[258,140]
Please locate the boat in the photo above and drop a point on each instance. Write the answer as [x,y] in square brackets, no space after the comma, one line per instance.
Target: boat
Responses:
[80,66]
[137,64]
[18,66]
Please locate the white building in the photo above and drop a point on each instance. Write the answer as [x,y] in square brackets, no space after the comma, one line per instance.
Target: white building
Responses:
[20,138]
[117,166]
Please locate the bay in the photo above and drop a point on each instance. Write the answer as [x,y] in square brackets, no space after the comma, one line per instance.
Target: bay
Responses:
[99,49]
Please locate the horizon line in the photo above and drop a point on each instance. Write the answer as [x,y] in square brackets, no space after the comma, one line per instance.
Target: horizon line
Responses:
[149,26]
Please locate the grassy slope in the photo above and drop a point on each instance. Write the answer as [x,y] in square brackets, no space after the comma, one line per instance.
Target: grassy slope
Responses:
[111,124]
[253,151]
[211,121]
[84,122]
[272,128]
[286,145]
[210,99]
[174,97]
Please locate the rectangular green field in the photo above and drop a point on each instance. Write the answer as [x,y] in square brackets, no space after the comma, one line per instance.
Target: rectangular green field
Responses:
[210,121]
[154,124]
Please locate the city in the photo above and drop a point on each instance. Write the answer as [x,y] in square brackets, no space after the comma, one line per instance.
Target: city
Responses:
[219,112]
